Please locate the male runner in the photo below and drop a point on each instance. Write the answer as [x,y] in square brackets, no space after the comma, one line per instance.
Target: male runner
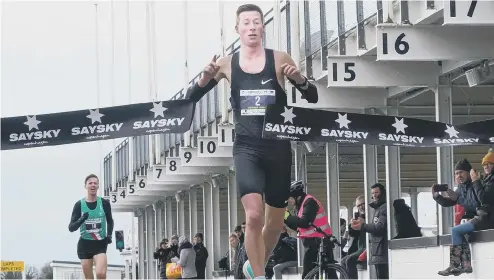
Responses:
[263,166]
[92,216]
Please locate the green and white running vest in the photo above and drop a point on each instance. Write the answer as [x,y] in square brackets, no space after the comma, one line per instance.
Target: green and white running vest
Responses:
[94,228]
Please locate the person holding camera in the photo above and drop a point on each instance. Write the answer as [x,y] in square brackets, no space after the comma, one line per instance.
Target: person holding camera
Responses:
[160,254]
[468,196]
[357,239]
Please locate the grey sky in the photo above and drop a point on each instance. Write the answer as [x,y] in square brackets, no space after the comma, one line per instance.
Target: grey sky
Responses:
[48,65]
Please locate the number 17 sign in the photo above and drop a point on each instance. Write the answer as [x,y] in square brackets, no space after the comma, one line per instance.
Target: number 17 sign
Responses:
[465,12]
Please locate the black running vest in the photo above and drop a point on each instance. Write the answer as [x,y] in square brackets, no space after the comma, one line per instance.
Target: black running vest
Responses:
[251,93]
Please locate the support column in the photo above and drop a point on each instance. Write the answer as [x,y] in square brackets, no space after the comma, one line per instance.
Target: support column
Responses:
[193,212]
[127,270]
[298,164]
[393,180]
[208,228]
[158,221]
[150,243]
[179,197]
[169,217]
[158,228]
[141,221]
[370,178]
[444,155]
[133,245]
[232,201]
[414,204]
[333,192]
[215,200]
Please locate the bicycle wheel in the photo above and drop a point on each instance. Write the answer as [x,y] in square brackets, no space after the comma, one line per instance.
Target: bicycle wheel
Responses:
[314,273]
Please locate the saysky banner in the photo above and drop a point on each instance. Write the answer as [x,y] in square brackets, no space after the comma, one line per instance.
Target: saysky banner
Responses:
[96,124]
[301,124]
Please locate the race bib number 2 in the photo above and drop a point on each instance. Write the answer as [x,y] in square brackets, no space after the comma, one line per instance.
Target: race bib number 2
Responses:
[254,102]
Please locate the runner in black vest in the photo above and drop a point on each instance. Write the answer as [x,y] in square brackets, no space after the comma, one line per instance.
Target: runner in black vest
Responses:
[263,167]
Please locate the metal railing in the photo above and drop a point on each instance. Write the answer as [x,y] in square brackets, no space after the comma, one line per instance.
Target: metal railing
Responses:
[325,23]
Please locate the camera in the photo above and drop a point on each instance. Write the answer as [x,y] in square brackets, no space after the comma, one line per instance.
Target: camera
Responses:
[356,215]
[440,187]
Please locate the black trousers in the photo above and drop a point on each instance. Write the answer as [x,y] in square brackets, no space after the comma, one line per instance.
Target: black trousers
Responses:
[382,271]
[350,263]
[310,261]
[201,272]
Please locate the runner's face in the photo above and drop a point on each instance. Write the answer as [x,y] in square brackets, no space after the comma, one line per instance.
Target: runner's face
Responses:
[250,28]
[92,186]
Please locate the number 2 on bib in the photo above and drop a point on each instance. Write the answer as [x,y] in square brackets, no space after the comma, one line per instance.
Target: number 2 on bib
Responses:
[254,102]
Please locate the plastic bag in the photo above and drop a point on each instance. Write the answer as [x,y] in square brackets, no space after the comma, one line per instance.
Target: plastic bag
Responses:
[173,271]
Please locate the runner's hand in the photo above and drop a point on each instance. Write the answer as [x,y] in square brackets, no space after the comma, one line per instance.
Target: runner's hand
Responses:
[109,239]
[209,72]
[293,73]
[84,216]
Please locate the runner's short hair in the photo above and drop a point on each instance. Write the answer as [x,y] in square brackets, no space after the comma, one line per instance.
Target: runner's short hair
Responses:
[250,8]
[89,177]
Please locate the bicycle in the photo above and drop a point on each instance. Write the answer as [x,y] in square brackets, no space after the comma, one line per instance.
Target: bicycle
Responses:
[324,261]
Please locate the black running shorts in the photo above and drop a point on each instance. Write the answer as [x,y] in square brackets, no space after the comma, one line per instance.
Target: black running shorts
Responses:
[263,166]
[87,249]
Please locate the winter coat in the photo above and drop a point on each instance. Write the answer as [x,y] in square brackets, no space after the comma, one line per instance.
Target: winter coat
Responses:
[487,203]
[468,197]
[406,225]
[187,260]
[378,230]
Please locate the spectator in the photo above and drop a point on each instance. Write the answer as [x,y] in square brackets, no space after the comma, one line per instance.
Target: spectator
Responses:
[468,196]
[378,231]
[230,263]
[358,240]
[483,191]
[240,233]
[284,254]
[310,213]
[187,259]
[406,226]
[201,256]
[160,254]
[459,212]
[343,238]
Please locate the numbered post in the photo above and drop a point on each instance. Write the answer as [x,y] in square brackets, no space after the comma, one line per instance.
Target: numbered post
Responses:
[140,183]
[226,135]
[365,72]
[471,13]
[113,197]
[433,43]
[189,158]
[131,188]
[172,165]
[122,193]
[208,147]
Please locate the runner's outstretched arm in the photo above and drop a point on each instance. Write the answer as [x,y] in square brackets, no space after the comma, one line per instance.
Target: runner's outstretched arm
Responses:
[306,88]
[210,77]
[109,217]
[76,220]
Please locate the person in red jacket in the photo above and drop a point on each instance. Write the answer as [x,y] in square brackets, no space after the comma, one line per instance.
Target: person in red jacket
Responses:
[459,212]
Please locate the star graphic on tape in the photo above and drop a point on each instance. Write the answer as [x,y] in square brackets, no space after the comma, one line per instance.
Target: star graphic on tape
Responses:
[288,115]
[158,109]
[400,125]
[451,131]
[343,121]
[32,122]
[95,116]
